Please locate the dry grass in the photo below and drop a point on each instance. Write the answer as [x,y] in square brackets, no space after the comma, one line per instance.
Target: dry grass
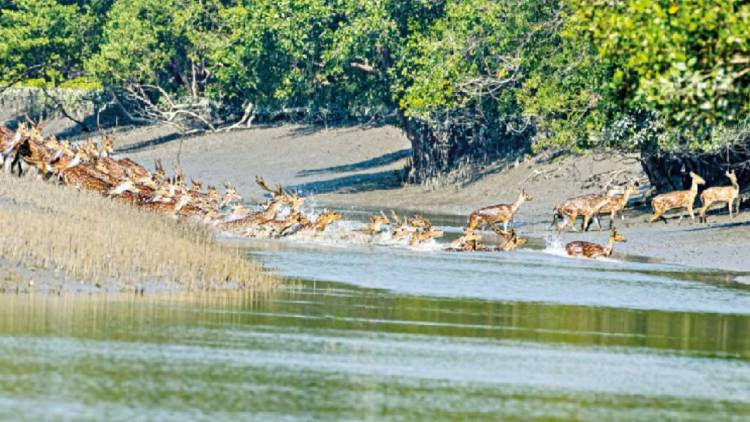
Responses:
[98,240]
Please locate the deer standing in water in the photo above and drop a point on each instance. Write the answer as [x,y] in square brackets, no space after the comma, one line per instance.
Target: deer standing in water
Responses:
[512,242]
[294,200]
[497,213]
[587,206]
[727,194]
[593,250]
[324,220]
[320,224]
[677,199]
[376,223]
[422,235]
[471,242]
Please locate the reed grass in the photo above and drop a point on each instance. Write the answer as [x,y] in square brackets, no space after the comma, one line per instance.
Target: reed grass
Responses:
[99,240]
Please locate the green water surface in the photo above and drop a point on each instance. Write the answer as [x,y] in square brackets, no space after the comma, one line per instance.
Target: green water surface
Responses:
[316,350]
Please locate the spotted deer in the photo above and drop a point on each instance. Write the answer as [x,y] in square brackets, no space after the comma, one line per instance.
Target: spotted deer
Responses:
[421,230]
[376,224]
[135,168]
[230,195]
[325,219]
[400,230]
[82,177]
[279,227]
[580,248]
[587,206]
[494,214]
[319,225]
[269,213]
[170,208]
[721,194]
[512,242]
[469,242]
[293,200]
[615,205]
[676,200]
[424,234]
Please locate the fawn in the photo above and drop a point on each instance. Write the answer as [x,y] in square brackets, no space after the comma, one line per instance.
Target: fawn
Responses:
[593,250]
[677,199]
[497,213]
[728,194]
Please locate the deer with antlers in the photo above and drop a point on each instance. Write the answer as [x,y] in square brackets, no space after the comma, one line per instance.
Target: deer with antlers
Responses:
[497,213]
[721,194]
[293,200]
[676,200]
[400,230]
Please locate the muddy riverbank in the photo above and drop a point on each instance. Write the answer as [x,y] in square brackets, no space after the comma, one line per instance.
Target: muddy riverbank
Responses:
[361,167]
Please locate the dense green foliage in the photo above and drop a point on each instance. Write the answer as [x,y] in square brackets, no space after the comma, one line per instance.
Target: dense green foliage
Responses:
[572,74]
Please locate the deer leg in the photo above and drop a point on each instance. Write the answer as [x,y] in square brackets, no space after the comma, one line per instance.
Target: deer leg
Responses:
[496,229]
[702,212]
[572,222]
[690,211]
[598,223]
[566,223]
[729,206]
[657,215]
[16,162]
[585,223]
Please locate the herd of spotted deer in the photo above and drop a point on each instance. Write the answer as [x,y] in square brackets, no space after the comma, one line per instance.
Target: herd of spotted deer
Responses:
[89,166]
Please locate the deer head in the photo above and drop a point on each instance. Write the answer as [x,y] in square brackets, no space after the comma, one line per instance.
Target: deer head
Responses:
[697,179]
[379,219]
[279,191]
[108,146]
[213,194]
[197,186]
[231,195]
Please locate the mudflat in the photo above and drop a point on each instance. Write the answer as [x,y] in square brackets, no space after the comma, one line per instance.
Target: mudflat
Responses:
[363,167]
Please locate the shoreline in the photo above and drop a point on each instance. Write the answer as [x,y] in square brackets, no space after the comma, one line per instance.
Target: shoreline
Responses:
[360,167]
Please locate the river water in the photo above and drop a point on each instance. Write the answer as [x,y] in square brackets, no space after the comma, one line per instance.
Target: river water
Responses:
[375,332]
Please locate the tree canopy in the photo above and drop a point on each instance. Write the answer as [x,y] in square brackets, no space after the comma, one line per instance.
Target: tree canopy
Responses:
[663,75]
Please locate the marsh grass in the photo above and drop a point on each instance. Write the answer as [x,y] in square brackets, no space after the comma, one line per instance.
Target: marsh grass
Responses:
[100,241]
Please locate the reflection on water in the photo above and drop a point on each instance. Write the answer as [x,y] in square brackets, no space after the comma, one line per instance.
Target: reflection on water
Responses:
[332,351]
[413,334]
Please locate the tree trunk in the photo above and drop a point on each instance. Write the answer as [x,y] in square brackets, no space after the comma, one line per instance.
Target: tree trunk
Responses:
[672,171]
[455,146]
